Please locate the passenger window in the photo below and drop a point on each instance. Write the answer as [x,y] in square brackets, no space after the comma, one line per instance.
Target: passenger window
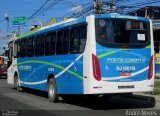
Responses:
[30,47]
[74,42]
[66,42]
[10,51]
[39,51]
[62,46]
[78,39]
[15,49]
[18,49]
[42,45]
[50,44]
[23,48]
[59,45]
[83,37]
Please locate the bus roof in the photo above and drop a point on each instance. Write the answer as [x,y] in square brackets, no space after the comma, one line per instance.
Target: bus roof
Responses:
[70,22]
[49,28]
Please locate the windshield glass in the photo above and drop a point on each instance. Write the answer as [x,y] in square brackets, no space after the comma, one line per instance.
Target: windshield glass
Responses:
[121,32]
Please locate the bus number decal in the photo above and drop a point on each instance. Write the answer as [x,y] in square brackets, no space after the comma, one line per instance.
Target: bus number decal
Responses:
[51,69]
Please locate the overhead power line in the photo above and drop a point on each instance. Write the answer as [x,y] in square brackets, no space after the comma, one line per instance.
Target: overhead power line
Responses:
[38,9]
[47,8]
[143,3]
[140,5]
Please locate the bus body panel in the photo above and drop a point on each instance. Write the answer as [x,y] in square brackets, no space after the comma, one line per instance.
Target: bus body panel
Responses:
[33,73]
[12,69]
[89,49]
[118,65]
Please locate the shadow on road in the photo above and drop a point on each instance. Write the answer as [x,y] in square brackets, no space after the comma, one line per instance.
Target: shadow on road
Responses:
[102,103]
[116,102]
[34,92]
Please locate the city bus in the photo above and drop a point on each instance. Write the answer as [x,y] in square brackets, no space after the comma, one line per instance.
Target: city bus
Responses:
[94,55]
[3,66]
[2,60]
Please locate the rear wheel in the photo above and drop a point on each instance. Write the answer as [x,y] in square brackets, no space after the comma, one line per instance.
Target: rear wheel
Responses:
[52,93]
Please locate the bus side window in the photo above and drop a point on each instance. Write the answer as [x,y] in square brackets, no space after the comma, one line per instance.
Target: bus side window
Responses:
[42,45]
[59,45]
[53,41]
[23,48]
[37,46]
[15,49]
[39,50]
[66,41]
[20,46]
[30,47]
[10,46]
[50,44]
[83,37]
[78,39]
[18,49]
[74,41]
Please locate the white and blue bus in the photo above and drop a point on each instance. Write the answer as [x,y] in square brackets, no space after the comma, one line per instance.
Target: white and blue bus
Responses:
[99,54]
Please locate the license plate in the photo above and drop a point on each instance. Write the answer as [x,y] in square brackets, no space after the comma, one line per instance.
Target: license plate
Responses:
[125,73]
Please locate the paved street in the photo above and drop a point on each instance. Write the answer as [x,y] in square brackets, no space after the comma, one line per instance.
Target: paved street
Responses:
[28,102]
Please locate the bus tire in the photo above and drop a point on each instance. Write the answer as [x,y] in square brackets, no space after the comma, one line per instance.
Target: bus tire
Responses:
[52,93]
[17,84]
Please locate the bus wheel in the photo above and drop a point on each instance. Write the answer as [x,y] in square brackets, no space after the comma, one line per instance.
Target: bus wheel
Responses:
[17,84]
[52,94]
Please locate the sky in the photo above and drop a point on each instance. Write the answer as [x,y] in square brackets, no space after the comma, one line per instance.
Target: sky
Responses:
[59,10]
[16,8]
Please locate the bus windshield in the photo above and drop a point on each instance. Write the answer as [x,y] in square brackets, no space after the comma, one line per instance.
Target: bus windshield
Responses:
[122,32]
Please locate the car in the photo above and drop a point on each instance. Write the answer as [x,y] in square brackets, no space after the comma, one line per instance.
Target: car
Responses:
[3,70]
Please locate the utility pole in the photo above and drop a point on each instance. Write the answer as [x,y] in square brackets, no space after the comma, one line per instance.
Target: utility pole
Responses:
[8,25]
[146,12]
[112,5]
[98,6]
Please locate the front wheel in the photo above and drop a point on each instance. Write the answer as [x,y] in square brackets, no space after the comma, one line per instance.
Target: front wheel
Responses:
[16,82]
[52,93]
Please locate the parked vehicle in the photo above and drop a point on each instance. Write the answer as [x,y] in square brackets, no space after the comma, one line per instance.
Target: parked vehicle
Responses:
[3,70]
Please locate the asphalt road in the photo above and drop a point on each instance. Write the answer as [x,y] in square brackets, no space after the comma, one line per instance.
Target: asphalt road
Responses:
[31,102]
